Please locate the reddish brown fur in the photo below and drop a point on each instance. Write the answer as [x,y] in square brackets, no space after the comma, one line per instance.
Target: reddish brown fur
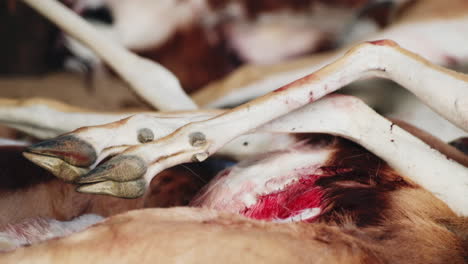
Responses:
[197,63]
[360,186]
[190,235]
[28,191]
[372,215]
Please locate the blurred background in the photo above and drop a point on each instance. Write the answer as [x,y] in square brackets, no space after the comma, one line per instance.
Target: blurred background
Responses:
[204,41]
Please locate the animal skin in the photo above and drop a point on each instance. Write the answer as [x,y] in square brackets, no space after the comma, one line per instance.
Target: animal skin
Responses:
[368,213]
[40,194]
[323,199]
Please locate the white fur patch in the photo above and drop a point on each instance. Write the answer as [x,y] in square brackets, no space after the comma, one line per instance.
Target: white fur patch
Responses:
[12,142]
[40,229]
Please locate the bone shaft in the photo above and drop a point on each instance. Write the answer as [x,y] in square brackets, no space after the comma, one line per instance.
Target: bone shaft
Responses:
[382,58]
[143,75]
[445,91]
[247,117]
[352,119]
[43,119]
[412,158]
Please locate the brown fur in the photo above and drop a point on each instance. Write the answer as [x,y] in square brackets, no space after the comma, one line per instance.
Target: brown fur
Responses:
[191,235]
[361,192]
[198,63]
[372,216]
[28,191]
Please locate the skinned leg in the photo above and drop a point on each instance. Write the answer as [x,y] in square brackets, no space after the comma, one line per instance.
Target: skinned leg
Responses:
[338,115]
[142,74]
[413,30]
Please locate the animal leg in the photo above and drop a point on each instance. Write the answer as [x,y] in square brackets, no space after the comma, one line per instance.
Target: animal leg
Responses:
[142,74]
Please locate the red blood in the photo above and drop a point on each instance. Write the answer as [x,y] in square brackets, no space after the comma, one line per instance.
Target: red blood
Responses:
[300,195]
[384,42]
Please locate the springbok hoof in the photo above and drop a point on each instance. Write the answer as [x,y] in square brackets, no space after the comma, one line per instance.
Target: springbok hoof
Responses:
[129,189]
[69,148]
[119,169]
[57,167]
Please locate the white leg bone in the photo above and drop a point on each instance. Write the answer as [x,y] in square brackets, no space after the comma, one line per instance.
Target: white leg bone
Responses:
[150,80]
[198,140]
[44,118]
[390,65]
[350,118]
[444,48]
[47,118]
[382,58]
